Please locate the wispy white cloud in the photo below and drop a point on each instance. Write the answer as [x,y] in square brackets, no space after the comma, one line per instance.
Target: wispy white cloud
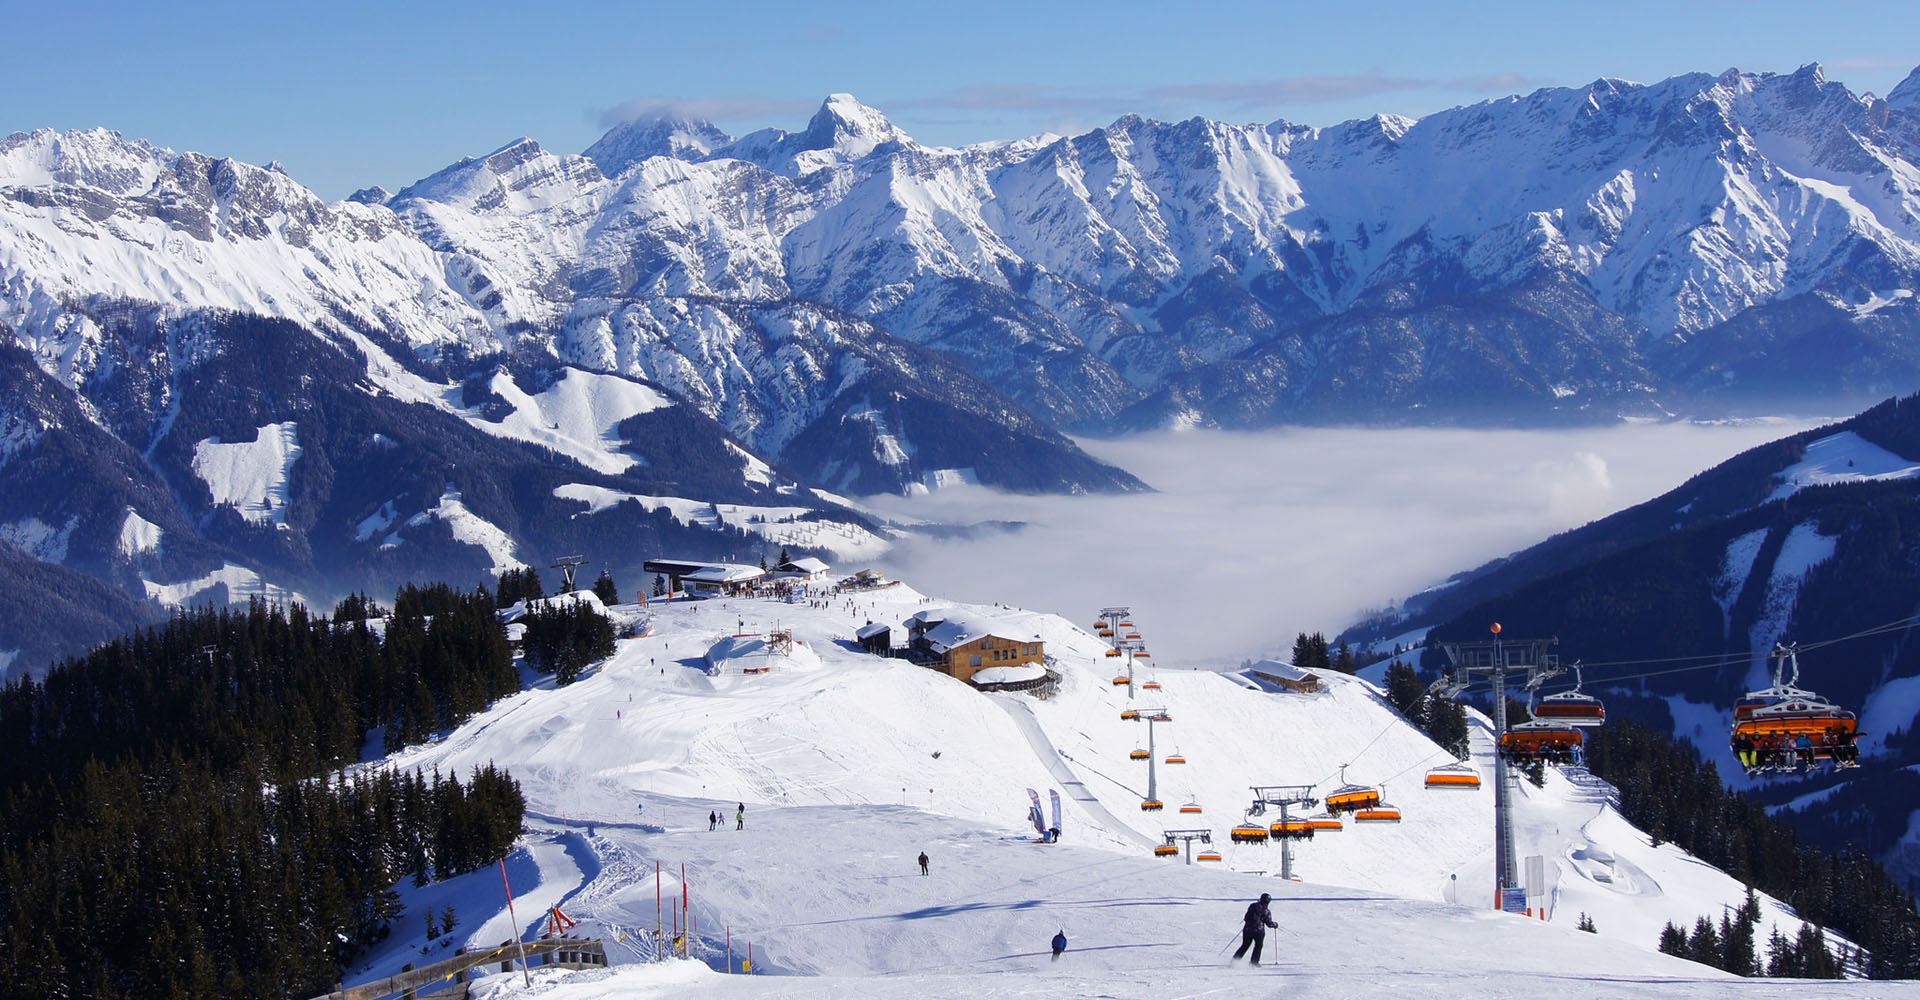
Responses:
[707,108]
[1254,537]
[1244,94]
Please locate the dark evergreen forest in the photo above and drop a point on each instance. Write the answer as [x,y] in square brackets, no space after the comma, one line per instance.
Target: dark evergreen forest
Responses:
[175,820]
[1668,791]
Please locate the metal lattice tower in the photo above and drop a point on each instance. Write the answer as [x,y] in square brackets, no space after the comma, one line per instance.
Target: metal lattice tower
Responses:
[1186,838]
[1497,658]
[1282,796]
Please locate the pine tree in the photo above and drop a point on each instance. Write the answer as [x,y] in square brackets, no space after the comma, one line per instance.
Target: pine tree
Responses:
[784,557]
[1673,940]
[1586,924]
[1704,944]
[659,585]
[604,589]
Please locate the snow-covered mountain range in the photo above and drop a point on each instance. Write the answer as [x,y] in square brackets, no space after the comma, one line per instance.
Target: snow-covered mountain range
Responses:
[847,309]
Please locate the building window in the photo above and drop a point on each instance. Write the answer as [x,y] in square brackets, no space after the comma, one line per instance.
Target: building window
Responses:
[976,661]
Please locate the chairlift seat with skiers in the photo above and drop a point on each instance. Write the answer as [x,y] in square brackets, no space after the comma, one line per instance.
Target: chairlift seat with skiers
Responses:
[1787,728]
[1350,797]
[1291,829]
[1248,833]
[1166,851]
[1152,805]
[1139,754]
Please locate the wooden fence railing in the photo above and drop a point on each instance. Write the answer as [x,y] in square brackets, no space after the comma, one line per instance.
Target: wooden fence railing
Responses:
[567,952]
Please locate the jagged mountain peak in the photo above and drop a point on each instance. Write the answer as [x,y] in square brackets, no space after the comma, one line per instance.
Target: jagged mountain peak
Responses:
[96,157]
[662,132]
[1906,94]
[848,127]
[519,176]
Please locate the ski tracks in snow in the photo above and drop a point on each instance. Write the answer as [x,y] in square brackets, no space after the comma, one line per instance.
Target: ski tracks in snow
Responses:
[1049,756]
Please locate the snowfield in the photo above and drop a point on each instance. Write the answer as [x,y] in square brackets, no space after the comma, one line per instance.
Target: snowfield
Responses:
[849,768]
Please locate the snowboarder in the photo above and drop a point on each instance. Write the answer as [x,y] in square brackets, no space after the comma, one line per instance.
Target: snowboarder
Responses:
[713,821]
[923,862]
[1059,944]
[740,817]
[1253,928]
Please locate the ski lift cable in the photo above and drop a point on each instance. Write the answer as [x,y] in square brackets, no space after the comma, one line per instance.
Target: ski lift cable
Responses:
[1715,660]
[1362,750]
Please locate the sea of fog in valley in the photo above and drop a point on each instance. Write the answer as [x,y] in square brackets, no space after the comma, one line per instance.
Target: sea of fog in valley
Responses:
[1253,537]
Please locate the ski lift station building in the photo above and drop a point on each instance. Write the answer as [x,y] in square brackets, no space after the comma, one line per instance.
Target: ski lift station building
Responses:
[961,644]
[706,579]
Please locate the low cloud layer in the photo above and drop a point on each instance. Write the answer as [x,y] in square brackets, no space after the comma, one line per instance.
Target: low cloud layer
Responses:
[1255,537]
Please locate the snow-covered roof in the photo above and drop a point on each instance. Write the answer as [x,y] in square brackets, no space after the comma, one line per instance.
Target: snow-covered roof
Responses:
[1286,671]
[806,565]
[871,629]
[725,573]
[960,629]
[1010,675]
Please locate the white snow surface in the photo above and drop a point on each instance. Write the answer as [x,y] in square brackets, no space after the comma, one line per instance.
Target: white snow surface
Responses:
[242,584]
[1845,457]
[138,535]
[779,525]
[1804,548]
[848,771]
[251,475]
[469,528]
[576,416]
[46,542]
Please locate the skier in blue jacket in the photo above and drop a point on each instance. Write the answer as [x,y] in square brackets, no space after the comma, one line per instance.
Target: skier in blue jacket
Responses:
[1059,944]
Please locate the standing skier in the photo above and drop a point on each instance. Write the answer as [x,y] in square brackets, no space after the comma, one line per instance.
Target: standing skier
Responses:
[740,817]
[1059,944]
[1253,928]
[923,862]
[713,821]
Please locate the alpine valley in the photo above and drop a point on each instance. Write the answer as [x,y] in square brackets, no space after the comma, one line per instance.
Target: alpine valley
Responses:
[213,382]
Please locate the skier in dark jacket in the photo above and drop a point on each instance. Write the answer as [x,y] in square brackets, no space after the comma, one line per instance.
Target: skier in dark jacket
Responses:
[1059,944]
[923,862]
[1253,928]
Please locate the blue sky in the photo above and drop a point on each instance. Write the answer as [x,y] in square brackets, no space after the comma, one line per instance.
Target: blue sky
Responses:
[350,94]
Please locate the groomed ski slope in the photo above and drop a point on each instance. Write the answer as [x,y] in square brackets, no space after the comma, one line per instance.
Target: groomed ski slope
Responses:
[849,770]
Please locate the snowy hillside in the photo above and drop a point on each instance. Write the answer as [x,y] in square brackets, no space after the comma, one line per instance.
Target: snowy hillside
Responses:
[849,768]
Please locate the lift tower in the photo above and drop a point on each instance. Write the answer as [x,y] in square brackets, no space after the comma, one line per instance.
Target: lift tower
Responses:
[566,565]
[1282,796]
[1150,716]
[1186,838]
[1497,657]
